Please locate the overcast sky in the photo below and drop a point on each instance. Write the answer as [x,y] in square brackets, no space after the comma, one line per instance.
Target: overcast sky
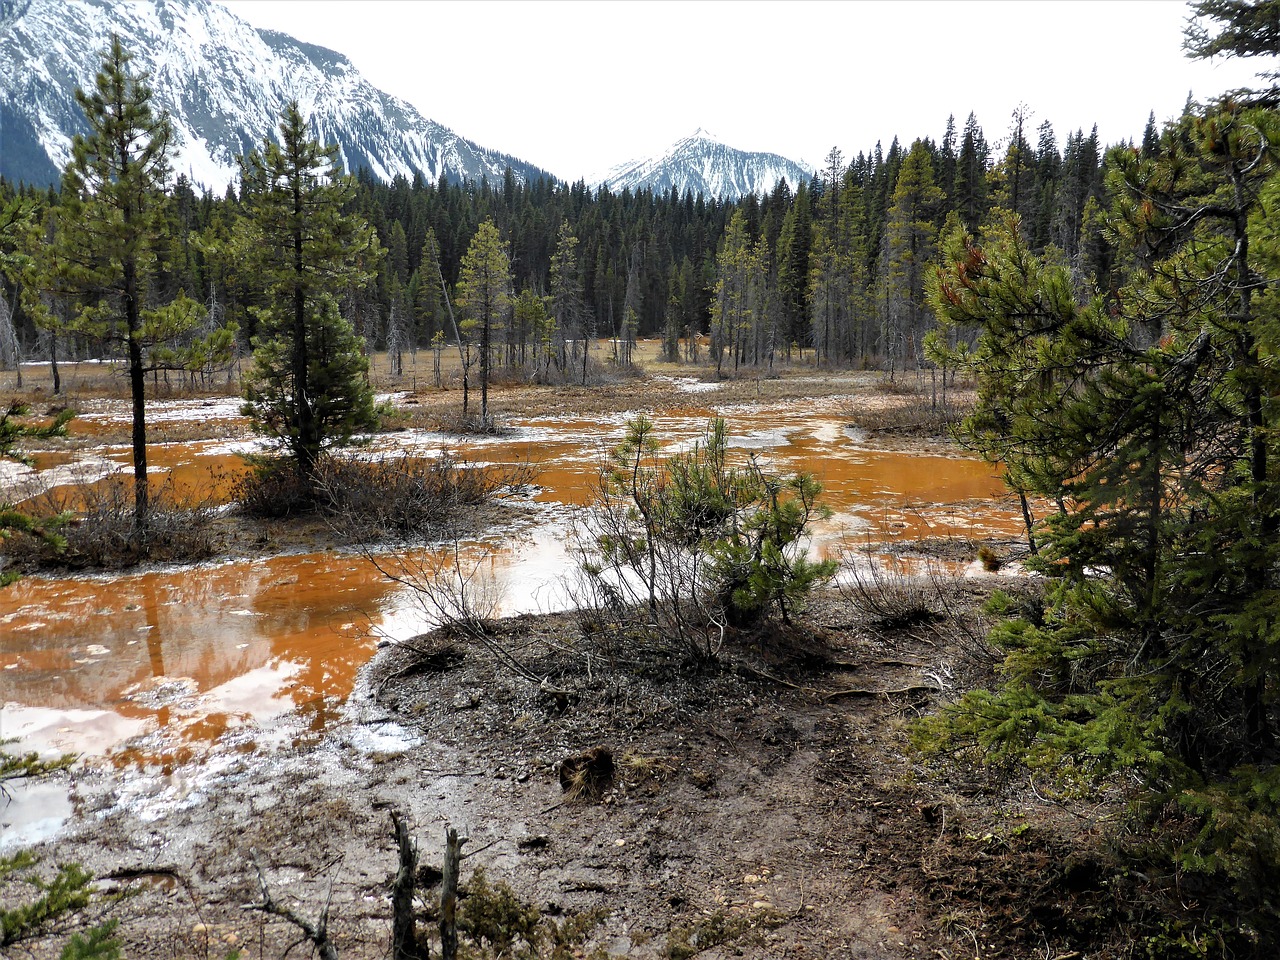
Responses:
[576,87]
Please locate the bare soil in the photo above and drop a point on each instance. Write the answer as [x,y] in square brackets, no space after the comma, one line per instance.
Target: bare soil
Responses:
[769,798]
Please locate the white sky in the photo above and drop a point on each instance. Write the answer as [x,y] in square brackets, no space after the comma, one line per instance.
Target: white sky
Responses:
[576,87]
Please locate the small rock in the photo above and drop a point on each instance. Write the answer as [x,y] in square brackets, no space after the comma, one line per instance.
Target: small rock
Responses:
[466,700]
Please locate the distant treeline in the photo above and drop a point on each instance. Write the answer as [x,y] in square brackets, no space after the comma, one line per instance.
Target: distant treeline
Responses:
[834,270]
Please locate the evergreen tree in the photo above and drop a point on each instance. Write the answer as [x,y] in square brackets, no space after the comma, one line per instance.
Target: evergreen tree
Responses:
[1247,28]
[948,161]
[739,276]
[308,388]
[971,175]
[568,307]
[795,242]
[109,229]
[1012,180]
[910,234]
[484,295]
[1149,419]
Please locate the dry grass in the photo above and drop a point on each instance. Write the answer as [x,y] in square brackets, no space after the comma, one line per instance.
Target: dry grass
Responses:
[101,536]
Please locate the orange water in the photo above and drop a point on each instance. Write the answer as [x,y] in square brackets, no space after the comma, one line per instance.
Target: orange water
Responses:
[156,668]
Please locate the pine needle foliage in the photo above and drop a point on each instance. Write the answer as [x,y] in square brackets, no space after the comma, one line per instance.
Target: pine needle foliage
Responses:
[1145,415]
[697,540]
[308,388]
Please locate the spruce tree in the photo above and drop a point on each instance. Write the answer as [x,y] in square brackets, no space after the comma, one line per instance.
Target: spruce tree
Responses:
[910,233]
[971,175]
[308,388]
[110,230]
[568,308]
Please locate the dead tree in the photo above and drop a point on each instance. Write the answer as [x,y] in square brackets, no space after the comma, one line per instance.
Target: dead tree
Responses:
[317,933]
[404,930]
[449,894]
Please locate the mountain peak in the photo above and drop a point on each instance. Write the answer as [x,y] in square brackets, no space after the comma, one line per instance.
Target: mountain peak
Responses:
[703,163]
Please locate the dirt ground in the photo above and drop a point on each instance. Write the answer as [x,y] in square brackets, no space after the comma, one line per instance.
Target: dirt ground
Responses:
[769,799]
[766,805]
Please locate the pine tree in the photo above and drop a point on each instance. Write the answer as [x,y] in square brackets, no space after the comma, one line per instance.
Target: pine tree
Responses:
[110,229]
[1148,418]
[484,295]
[308,388]
[428,307]
[739,276]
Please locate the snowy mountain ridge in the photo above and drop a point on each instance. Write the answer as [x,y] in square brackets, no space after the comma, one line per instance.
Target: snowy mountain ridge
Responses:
[702,163]
[224,84]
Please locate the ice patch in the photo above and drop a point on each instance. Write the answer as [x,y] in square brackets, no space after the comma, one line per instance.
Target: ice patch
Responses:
[387,737]
[691,384]
[36,812]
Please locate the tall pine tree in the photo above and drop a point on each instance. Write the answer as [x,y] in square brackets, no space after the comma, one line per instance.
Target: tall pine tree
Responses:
[110,229]
[308,387]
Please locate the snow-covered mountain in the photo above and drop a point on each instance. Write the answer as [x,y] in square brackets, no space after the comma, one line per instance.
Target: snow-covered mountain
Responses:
[224,84]
[701,163]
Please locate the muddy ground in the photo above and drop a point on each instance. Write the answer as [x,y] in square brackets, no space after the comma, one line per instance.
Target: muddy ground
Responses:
[763,805]
[768,799]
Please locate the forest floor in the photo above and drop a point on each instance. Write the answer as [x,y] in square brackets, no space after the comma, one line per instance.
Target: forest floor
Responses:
[765,804]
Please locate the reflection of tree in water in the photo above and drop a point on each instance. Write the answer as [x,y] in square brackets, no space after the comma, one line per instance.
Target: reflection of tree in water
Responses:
[307,617]
[155,642]
[317,613]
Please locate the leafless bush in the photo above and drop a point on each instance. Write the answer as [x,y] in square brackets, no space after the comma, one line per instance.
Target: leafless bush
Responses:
[402,495]
[101,534]
[622,627]
[409,494]
[272,489]
[926,602]
[453,586]
[914,414]
[469,424]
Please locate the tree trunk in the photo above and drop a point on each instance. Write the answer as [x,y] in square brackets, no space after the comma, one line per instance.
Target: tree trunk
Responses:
[404,935]
[449,894]
[53,364]
[484,372]
[138,394]
[1026,519]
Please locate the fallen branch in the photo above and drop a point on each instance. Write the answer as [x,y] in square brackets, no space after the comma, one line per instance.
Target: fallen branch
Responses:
[317,933]
[900,692]
[762,675]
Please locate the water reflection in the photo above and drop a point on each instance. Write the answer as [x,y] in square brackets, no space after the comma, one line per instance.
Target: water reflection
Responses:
[152,669]
[192,654]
